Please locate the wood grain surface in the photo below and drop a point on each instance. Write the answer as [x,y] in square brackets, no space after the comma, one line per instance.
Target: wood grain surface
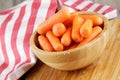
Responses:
[107,67]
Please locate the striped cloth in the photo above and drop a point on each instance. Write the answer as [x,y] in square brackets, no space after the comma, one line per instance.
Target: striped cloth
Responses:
[18,23]
[16,26]
[82,5]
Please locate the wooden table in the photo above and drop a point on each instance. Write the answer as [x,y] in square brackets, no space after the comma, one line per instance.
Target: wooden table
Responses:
[107,67]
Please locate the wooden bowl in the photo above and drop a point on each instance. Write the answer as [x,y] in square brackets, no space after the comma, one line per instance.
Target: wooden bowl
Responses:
[75,58]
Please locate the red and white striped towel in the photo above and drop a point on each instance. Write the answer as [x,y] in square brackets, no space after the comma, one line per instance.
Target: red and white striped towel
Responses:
[18,23]
[16,26]
[82,5]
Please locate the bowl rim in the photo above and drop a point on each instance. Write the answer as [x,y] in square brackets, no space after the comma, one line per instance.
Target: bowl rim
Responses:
[33,45]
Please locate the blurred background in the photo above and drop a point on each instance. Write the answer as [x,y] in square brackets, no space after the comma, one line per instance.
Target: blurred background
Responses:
[5,4]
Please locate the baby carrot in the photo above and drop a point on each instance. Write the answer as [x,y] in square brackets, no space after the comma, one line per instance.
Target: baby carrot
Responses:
[86,28]
[95,32]
[44,43]
[77,22]
[97,20]
[69,21]
[47,25]
[55,42]
[58,29]
[66,38]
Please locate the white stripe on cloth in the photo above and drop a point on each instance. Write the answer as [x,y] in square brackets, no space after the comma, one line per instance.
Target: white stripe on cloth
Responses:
[63,5]
[1,56]
[110,16]
[103,9]
[93,7]
[2,19]
[83,4]
[70,2]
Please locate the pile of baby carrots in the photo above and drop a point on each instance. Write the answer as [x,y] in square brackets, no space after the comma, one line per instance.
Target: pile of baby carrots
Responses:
[65,30]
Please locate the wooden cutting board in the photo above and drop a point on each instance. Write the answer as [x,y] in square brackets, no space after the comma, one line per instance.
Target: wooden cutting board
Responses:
[107,67]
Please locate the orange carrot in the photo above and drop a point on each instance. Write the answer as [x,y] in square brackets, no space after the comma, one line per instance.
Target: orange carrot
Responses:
[47,25]
[97,20]
[77,22]
[66,38]
[44,43]
[69,21]
[58,29]
[95,32]
[55,42]
[86,28]
[74,14]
